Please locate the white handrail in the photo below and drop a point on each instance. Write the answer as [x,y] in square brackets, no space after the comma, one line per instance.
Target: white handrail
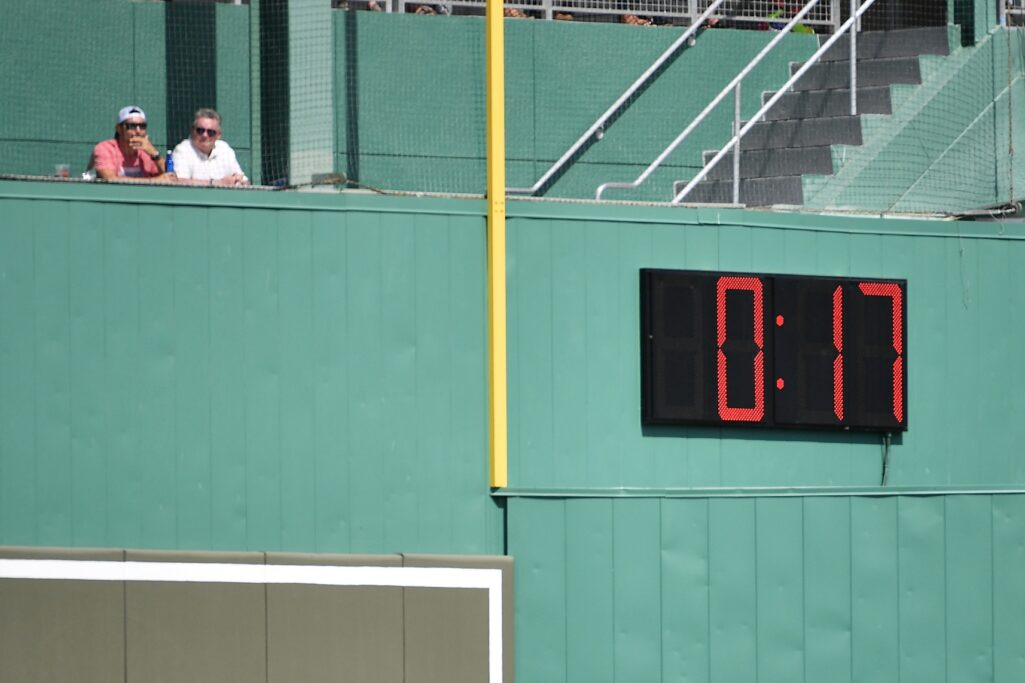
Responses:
[711,105]
[735,141]
[598,124]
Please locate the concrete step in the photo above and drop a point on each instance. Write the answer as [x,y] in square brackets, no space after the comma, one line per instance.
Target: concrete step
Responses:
[818,103]
[908,42]
[816,132]
[753,191]
[760,163]
[871,72]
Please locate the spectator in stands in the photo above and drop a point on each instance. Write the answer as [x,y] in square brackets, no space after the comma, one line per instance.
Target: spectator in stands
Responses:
[783,12]
[635,20]
[205,159]
[130,155]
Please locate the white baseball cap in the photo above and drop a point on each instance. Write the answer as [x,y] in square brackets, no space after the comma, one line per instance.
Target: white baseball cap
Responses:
[128,112]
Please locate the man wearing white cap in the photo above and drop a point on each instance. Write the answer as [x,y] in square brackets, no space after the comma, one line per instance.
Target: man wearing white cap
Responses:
[130,155]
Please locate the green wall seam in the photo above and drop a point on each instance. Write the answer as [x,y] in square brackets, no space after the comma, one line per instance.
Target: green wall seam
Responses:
[755,492]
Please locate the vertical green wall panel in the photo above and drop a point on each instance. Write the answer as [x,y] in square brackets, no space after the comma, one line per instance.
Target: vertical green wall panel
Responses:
[571,396]
[733,595]
[156,415]
[685,607]
[874,591]
[779,546]
[89,436]
[261,325]
[826,591]
[1009,584]
[929,300]
[18,389]
[53,404]
[922,581]
[591,548]
[465,320]
[190,336]
[298,482]
[121,313]
[969,619]
[228,445]
[530,271]
[431,351]
[398,321]
[637,540]
[329,349]
[537,538]
[367,411]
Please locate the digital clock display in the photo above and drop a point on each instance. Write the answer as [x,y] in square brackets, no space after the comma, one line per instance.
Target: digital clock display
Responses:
[773,350]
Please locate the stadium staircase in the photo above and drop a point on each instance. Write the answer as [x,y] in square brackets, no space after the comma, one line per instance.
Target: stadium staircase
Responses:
[809,135]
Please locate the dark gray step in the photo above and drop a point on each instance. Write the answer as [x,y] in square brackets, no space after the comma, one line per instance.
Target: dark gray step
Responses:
[753,191]
[759,163]
[835,130]
[829,75]
[908,42]
[816,103]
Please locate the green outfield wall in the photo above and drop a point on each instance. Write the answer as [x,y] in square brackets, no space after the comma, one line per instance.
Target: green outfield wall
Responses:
[245,372]
[191,369]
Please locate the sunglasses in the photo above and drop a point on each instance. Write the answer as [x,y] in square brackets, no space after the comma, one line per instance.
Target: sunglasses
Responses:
[134,126]
[206,131]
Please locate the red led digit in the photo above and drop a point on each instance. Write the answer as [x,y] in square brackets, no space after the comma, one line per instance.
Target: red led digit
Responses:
[838,345]
[726,412]
[892,290]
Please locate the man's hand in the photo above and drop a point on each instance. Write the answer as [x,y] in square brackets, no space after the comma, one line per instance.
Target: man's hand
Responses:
[233,180]
[142,144]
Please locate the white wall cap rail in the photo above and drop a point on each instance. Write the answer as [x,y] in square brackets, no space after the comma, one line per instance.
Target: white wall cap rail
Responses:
[711,105]
[599,124]
[735,140]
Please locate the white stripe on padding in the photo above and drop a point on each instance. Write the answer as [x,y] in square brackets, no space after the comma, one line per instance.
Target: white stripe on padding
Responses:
[318,575]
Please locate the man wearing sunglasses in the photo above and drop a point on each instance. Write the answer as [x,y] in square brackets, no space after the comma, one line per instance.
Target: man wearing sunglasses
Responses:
[206,159]
[130,155]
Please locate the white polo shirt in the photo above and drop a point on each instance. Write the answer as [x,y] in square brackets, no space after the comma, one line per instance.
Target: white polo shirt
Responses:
[189,162]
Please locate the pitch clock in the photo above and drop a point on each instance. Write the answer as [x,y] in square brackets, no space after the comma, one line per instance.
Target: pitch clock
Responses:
[773,350]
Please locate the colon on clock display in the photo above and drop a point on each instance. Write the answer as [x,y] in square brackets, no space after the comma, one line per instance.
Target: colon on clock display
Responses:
[773,350]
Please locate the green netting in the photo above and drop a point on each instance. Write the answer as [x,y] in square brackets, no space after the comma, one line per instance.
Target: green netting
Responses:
[327,92]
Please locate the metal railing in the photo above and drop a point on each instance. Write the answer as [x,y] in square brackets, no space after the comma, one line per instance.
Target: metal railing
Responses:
[1012,12]
[597,128]
[684,12]
[732,86]
[734,143]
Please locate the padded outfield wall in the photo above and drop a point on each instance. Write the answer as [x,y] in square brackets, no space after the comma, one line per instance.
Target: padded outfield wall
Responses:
[201,369]
[242,371]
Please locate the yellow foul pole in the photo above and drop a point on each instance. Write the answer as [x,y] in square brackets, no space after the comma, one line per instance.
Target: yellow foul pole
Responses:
[497,417]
